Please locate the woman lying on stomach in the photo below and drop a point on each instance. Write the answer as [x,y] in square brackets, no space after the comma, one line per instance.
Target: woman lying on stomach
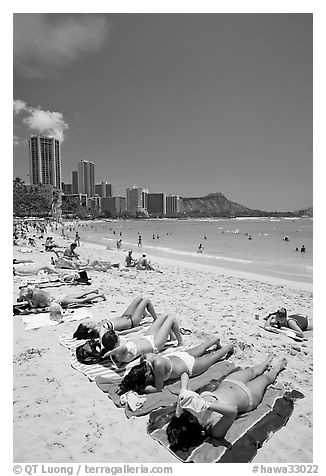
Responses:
[214,412]
[154,370]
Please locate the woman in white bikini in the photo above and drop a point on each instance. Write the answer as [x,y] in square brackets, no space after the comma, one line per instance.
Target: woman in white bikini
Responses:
[154,370]
[214,412]
[122,350]
[130,319]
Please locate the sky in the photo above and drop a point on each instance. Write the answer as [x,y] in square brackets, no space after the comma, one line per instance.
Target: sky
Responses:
[187,104]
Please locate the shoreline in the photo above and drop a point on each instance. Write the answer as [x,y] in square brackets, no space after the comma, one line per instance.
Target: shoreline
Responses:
[213,269]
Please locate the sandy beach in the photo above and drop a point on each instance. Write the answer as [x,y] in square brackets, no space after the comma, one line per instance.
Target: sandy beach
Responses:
[60,416]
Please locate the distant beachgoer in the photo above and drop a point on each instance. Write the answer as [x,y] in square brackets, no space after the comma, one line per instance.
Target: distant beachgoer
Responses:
[129,319]
[70,252]
[143,263]
[29,270]
[249,237]
[295,322]
[77,239]
[154,369]
[130,261]
[214,412]
[303,249]
[153,237]
[139,241]
[297,249]
[286,238]
[37,298]
[200,248]
[205,237]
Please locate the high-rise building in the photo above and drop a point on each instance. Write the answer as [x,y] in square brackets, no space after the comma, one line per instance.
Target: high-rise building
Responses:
[173,204]
[86,183]
[136,199]
[156,203]
[44,161]
[114,204]
[104,189]
[74,181]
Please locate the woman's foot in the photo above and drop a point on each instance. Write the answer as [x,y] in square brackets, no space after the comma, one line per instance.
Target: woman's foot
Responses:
[281,365]
[230,350]
[103,297]
[268,361]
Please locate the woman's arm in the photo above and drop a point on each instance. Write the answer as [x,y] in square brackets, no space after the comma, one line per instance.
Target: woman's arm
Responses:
[229,413]
[184,379]
[268,323]
[294,326]
[117,351]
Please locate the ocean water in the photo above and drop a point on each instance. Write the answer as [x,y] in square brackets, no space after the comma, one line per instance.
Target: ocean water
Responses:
[226,244]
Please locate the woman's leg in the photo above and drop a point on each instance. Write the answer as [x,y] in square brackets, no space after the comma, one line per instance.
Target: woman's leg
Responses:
[132,307]
[204,362]
[70,300]
[251,373]
[170,324]
[200,349]
[80,296]
[140,311]
[49,269]
[258,385]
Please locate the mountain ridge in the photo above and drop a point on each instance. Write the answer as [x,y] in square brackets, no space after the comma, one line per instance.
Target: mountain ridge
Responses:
[216,204]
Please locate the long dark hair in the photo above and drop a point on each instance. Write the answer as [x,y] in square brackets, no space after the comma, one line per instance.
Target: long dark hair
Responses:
[184,432]
[136,379]
[109,340]
[85,332]
[89,352]
[281,317]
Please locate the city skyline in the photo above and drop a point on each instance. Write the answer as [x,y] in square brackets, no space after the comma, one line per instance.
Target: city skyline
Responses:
[221,104]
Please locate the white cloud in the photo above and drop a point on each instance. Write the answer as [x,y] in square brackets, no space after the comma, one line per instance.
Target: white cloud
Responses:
[45,44]
[19,106]
[40,121]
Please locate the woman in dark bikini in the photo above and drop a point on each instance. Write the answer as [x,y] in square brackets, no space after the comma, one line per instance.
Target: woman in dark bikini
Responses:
[295,322]
[214,412]
[130,319]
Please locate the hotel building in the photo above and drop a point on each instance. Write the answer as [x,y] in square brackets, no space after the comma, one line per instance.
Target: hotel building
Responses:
[86,183]
[136,199]
[44,161]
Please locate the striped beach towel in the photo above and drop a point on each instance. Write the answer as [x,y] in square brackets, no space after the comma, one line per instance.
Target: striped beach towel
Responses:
[108,370]
[246,435]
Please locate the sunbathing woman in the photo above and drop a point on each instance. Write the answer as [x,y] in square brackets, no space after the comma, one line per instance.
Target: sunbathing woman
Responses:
[149,376]
[130,319]
[26,269]
[295,322]
[215,411]
[39,298]
[125,350]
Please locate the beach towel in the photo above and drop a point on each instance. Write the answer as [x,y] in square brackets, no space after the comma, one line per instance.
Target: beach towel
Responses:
[35,321]
[169,393]
[243,439]
[284,331]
